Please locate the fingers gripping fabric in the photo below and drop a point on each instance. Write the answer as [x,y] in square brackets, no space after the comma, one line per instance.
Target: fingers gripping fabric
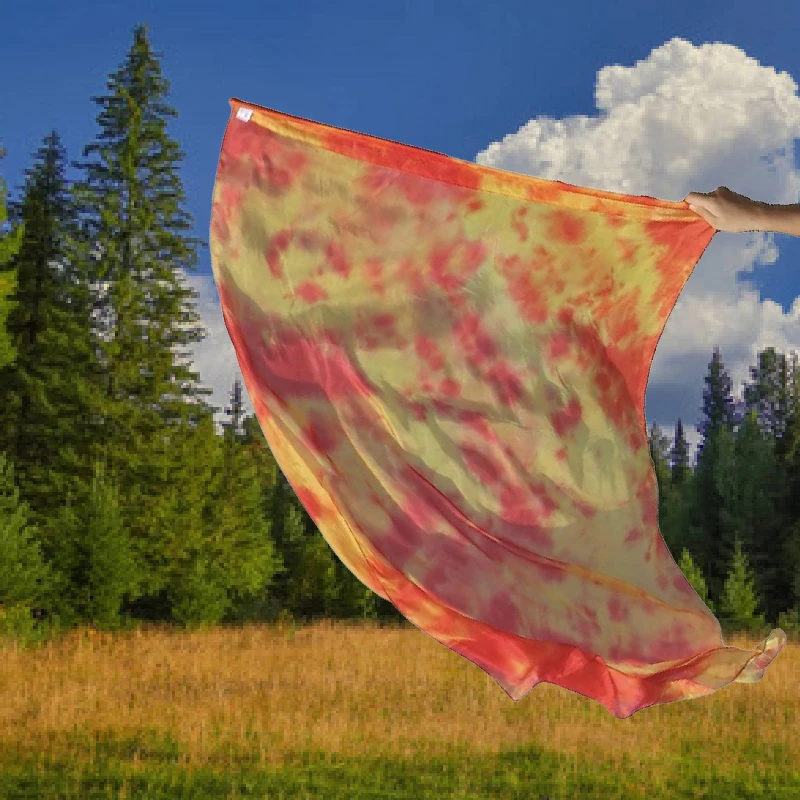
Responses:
[449,363]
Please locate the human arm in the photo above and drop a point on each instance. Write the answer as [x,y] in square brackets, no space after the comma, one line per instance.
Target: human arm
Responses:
[780,219]
[735,213]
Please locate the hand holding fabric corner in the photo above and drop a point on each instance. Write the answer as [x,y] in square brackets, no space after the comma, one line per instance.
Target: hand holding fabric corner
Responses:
[731,212]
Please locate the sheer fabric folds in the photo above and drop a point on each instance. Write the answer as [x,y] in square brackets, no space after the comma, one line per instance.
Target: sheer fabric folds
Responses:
[449,363]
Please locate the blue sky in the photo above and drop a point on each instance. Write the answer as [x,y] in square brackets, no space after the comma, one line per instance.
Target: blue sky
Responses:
[458,78]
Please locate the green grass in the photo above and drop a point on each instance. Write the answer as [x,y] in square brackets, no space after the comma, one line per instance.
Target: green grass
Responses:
[151,769]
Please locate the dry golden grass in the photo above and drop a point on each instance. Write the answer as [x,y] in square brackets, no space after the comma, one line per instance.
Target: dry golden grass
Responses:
[355,690]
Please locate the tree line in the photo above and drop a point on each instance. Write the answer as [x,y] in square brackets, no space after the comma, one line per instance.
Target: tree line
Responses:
[120,503]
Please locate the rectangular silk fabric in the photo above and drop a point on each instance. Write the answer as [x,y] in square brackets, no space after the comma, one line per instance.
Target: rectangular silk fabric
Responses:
[449,363]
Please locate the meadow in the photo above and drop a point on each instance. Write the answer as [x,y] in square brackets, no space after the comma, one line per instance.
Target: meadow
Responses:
[335,710]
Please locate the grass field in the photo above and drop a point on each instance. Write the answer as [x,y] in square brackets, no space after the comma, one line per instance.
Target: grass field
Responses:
[354,711]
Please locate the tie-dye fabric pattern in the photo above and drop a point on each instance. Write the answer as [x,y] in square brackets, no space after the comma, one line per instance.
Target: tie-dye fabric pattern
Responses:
[449,363]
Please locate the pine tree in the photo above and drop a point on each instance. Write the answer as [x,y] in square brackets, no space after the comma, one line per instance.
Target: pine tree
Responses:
[714,475]
[762,447]
[791,466]
[110,563]
[24,573]
[130,201]
[353,598]
[679,456]
[314,590]
[719,409]
[695,578]
[199,600]
[768,393]
[264,605]
[9,245]
[757,505]
[46,390]
[21,563]
[290,535]
[739,601]
[232,430]
[64,599]
[235,514]
[675,523]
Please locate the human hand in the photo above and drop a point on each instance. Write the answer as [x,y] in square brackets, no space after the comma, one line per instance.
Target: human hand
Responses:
[726,210]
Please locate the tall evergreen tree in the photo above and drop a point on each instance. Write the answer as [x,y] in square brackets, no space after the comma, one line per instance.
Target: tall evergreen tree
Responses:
[236,515]
[695,578]
[760,505]
[313,590]
[45,391]
[130,200]
[9,245]
[196,544]
[714,471]
[791,463]
[24,574]
[679,456]
[719,408]
[739,602]
[233,430]
[109,561]
[678,529]
[267,604]
[768,393]
[771,400]
[289,534]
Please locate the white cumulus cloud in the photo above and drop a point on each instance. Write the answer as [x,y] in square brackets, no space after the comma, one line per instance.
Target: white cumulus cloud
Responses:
[685,118]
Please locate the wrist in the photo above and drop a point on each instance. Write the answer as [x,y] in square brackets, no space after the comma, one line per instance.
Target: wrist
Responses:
[777,218]
[763,216]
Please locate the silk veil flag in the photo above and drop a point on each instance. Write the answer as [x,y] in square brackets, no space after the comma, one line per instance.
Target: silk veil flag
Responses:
[449,364]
